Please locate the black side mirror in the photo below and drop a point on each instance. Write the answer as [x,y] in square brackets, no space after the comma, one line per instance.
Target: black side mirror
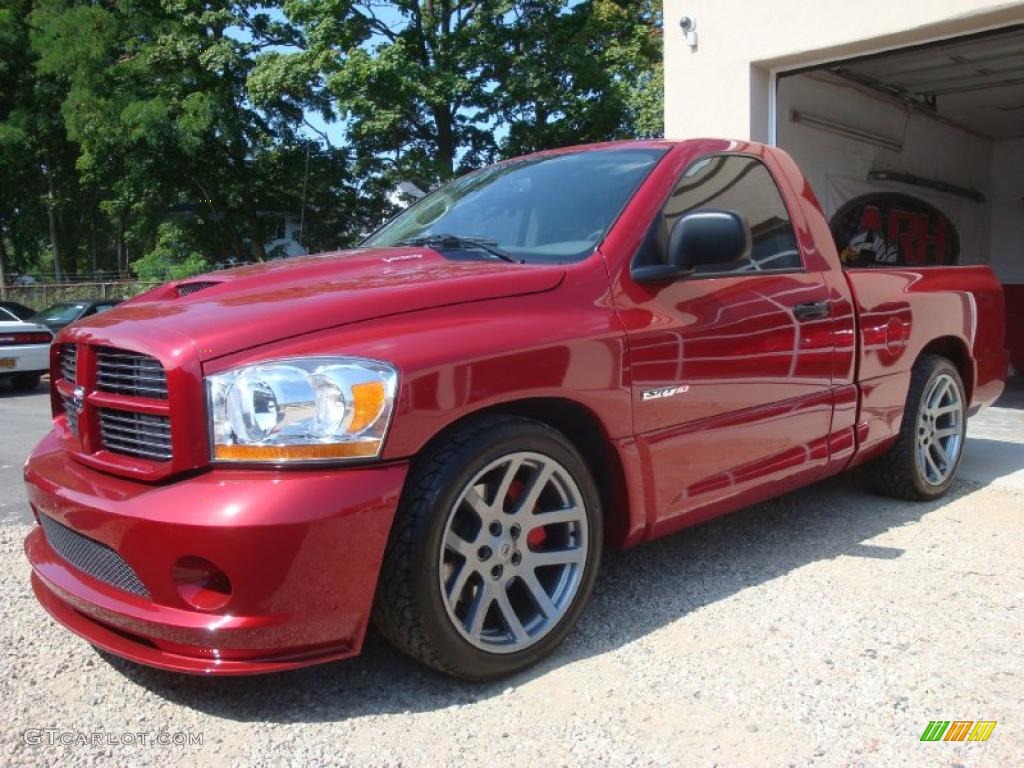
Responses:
[698,238]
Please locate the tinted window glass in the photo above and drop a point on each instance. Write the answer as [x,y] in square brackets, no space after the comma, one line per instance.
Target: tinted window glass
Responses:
[744,185]
[547,208]
[59,313]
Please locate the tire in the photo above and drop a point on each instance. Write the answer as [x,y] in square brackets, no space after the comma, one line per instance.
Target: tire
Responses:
[454,550]
[25,382]
[912,468]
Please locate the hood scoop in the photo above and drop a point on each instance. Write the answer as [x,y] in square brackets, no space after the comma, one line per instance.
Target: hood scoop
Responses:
[186,289]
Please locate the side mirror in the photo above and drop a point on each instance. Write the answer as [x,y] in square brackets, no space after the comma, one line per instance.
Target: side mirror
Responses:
[699,238]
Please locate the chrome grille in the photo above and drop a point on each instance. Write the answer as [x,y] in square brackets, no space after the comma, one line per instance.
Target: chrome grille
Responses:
[136,434]
[96,559]
[71,414]
[187,288]
[129,373]
[68,360]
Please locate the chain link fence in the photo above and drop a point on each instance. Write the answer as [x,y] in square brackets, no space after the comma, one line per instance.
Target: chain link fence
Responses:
[41,295]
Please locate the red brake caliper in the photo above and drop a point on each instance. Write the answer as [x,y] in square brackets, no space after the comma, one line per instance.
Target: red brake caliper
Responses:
[534,539]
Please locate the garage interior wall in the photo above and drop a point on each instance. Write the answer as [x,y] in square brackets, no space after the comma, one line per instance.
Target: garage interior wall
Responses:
[1007,230]
[930,149]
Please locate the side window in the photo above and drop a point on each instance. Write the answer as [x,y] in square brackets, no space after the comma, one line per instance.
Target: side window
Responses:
[741,184]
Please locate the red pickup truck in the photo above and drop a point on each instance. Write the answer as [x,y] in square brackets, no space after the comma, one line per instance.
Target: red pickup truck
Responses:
[443,428]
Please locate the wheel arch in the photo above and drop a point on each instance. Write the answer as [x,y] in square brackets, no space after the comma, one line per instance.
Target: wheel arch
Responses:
[584,429]
[955,350]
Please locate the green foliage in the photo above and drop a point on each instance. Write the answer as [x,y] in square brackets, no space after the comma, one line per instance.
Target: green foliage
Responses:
[570,76]
[174,257]
[114,114]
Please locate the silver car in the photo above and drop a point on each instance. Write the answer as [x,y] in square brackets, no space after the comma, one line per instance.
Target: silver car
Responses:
[24,353]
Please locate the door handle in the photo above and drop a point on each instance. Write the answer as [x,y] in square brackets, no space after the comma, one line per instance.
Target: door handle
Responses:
[812,310]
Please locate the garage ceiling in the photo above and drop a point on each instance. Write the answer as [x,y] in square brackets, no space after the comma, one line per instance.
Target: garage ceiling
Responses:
[975,82]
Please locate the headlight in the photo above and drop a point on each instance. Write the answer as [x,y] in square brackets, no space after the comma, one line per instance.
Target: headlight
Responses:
[301,409]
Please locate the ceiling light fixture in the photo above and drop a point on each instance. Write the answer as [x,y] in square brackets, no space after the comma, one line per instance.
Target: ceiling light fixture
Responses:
[857,134]
[919,181]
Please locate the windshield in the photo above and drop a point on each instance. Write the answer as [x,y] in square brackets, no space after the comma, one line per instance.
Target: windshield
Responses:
[59,313]
[552,208]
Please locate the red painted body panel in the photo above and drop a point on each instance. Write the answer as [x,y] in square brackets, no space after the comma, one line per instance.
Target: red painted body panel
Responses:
[301,558]
[901,312]
[770,404]
[1015,324]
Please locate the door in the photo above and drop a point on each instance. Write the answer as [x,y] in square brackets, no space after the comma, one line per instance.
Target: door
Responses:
[731,366]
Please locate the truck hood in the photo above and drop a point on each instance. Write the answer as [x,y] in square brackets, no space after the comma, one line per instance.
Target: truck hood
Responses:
[229,311]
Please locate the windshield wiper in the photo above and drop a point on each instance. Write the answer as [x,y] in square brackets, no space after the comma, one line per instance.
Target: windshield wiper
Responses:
[459,241]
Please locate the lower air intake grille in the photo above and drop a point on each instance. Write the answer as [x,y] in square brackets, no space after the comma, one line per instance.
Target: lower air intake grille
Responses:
[136,434]
[91,557]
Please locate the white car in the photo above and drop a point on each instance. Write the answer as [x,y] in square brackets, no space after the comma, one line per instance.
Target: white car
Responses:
[24,354]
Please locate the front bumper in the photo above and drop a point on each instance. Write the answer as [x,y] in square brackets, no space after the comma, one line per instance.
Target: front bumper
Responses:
[28,358]
[301,548]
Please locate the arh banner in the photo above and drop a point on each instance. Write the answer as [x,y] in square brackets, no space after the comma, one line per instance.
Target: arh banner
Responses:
[877,225]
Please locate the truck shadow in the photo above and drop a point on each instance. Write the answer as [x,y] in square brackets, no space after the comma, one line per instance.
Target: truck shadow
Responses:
[638,592]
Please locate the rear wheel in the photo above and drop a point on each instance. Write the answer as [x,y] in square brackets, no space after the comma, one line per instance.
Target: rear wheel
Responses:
[922,464]
[494,551]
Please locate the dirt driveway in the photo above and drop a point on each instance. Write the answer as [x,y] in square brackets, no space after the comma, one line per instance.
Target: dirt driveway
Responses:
[824,628]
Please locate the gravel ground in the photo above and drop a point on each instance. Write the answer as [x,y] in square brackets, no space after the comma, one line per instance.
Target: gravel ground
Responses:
[24,417]
[823,628]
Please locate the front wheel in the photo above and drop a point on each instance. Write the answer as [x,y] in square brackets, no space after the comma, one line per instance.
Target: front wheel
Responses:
[494,550]
[924,459]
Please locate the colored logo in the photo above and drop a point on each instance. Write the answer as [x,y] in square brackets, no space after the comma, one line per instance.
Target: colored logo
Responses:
[892,229]
[958,730]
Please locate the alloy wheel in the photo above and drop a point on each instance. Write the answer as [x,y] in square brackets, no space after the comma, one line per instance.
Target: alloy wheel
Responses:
[940,428]
[514,549]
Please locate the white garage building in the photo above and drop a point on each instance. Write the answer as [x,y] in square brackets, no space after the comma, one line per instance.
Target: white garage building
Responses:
[908,118]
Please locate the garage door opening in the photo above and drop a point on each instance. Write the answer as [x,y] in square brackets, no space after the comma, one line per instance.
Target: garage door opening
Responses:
[917,156]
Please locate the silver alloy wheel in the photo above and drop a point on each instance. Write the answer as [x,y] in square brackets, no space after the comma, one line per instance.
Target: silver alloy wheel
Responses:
[940,430]
[514,549]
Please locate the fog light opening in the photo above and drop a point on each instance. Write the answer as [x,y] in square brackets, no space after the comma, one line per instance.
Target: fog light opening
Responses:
[200,583]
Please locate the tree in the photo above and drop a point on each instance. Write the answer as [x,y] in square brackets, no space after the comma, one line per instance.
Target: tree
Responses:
[41,182]
[175,255]
[575,75]
[114,114]
[424,87]
[157,102]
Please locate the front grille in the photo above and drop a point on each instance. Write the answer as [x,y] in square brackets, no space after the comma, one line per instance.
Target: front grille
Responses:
[71,414]
[136,434]
[129,373]
[91,557]
[188,288]
[68,358]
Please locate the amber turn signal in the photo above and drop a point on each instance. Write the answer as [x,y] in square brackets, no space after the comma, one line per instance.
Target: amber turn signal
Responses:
[304,452]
